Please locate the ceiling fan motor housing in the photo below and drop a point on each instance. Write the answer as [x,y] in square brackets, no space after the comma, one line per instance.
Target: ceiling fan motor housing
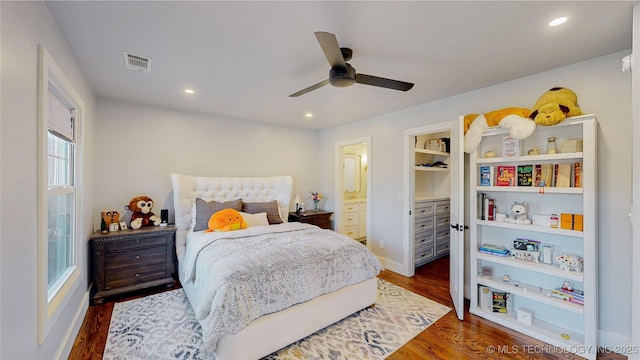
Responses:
[341,77]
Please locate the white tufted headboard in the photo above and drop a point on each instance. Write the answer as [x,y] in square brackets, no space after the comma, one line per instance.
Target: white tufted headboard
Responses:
[187,188]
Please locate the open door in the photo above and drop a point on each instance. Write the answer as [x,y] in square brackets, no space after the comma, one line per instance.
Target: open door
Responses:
[456,257]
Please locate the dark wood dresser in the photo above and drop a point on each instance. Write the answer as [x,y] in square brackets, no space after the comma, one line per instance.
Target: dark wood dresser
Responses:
[319,218]
[129,260]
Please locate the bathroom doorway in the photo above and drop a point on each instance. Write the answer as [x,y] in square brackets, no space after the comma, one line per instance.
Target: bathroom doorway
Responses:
[352,188]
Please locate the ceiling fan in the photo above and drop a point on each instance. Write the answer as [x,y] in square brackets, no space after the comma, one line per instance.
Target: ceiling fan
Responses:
[343,74]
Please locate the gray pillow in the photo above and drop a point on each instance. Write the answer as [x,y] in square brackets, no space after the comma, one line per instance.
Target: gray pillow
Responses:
[270,207]
[204,210]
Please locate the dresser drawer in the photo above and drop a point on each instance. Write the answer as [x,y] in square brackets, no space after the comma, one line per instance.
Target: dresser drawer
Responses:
[442,248]
[442,236]
[135,243]
[134,275]
[351,231]
[423,210]
[424,255]
[424,237]
[442,207]
[442,221]
[137,257]
[423,224]
[350,219]
[350,208]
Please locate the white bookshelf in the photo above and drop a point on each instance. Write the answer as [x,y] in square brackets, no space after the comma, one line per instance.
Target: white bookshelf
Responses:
[558,322]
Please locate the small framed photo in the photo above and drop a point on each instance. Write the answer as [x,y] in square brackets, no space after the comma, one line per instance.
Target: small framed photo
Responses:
[510,147]
[123,225]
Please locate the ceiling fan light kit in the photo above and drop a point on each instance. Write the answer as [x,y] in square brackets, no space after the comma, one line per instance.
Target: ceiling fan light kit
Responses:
[343,74]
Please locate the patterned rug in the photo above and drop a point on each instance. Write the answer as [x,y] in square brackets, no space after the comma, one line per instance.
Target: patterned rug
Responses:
[163,326]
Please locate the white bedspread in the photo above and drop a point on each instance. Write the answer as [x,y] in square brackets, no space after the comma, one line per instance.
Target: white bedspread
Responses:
[248,273]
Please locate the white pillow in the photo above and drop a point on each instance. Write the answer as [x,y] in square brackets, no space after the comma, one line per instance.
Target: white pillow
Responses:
[255,219]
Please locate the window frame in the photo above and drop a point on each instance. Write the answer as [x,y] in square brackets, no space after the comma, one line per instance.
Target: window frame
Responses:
[50,306]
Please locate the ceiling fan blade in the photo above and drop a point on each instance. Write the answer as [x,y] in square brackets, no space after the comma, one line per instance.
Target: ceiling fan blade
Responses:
[331,49]
[382,82]
[310,88]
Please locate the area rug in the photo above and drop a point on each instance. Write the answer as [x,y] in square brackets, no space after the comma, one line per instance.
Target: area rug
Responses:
[163,326]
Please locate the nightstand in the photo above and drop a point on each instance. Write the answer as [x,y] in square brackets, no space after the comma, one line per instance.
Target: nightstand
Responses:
[319,218]
[130,260]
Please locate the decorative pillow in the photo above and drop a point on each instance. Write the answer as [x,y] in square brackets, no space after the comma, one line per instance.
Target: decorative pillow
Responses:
[226,220]
[270,207]
[205,209]
[255,219]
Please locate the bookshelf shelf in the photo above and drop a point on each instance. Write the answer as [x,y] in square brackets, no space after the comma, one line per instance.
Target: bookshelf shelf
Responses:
[530,291]
[547,332]
[531,158]
[551,317]
[531,189]
[535,267]
[532,228]
[431,152]
[428,168]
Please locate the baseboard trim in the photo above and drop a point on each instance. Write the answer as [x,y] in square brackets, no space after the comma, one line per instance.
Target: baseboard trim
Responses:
[611,342]
[70,337]
[393,266]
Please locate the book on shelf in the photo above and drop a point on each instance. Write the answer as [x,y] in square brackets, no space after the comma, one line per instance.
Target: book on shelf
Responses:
[563,175]
[505,175]
[500,301]
[563,295]
[577,174]
[490,210]
[525,175]
[494,250]
[546,175]
[486,175]
[510,147]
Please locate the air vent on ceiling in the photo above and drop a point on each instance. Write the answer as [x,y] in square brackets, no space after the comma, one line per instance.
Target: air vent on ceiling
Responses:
[137,62]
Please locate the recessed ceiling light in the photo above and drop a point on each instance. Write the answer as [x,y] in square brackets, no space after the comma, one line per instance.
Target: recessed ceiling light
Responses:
[558,21]
[308,115]
[189,91]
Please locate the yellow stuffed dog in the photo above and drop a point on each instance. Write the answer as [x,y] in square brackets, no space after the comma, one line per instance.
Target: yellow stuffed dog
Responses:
[554,106]
[226,220]
[515,119]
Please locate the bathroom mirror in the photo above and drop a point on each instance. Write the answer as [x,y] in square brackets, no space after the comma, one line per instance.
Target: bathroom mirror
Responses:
[351,172]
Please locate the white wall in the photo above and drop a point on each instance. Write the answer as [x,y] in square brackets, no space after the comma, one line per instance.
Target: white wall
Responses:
[24,25]
[140,146]
[602,89]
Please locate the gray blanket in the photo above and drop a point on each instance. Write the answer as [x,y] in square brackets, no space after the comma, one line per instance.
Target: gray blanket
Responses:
[249,273]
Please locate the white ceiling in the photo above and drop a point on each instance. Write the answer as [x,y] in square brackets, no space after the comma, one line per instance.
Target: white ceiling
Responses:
[244,59]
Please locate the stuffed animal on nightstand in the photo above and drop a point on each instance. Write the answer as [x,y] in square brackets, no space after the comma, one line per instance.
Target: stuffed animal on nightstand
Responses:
[142,215]
[519,213]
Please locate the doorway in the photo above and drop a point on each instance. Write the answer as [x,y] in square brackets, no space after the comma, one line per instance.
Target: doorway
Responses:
[352,188]
[434,201]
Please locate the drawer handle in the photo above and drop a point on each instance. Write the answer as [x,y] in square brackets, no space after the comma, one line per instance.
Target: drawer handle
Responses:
[423,255]
[423,211]
[137,274]
[423,240]
[137,257]
[349,219]
[423,225]
[137,241]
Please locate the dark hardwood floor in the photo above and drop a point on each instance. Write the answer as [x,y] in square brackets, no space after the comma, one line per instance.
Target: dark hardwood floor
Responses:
[448,338]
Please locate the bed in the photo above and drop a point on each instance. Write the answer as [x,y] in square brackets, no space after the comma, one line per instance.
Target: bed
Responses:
[274,316]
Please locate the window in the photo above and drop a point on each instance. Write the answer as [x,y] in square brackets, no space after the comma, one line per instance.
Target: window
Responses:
[59,192]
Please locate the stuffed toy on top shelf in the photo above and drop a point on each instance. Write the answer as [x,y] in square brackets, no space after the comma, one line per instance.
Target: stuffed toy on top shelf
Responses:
[515,119]
[554,106]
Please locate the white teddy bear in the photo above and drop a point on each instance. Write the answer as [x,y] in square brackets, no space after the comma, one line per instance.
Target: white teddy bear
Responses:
[519,212]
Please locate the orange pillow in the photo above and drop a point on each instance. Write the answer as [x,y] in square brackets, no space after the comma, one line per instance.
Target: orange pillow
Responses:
[226,220]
